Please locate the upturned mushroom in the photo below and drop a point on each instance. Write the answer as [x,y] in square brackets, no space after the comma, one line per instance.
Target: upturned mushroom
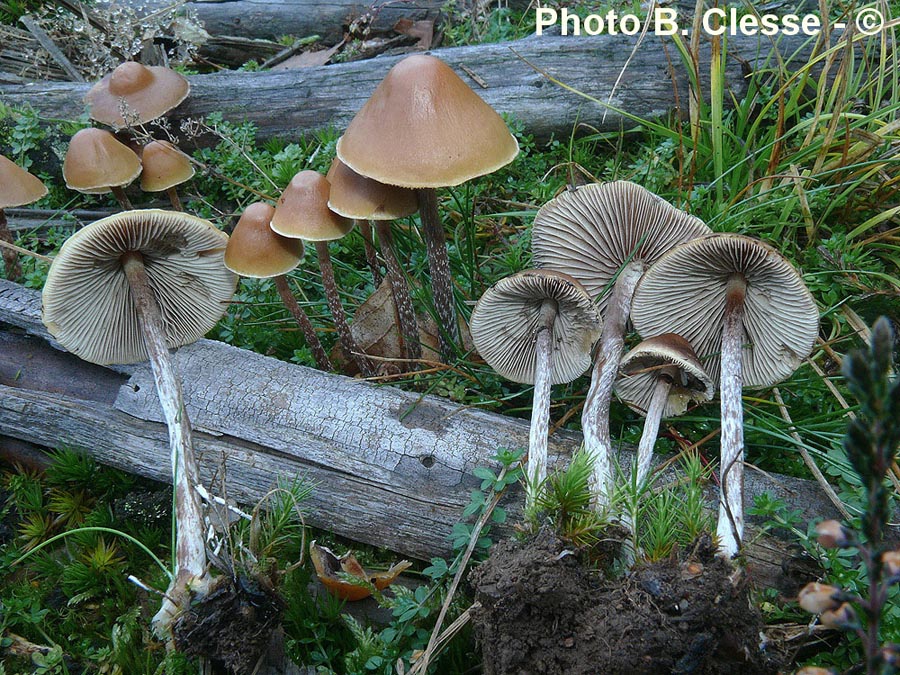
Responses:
[660,377]
[255,250]
[606,235]
[127,288]
[536,327]
[164,168]
[302,213]
[96,163]
[134,94]
[751,320]
[424,128]
[17,188]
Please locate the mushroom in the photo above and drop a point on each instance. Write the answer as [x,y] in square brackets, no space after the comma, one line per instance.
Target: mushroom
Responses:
[607,235]
[130,287]
[96,163]
[17,188]
[255,250]
[134,94]
[364,199]
[164,167]
[660,378]
[536,327]
[424,128]
[302,213]
[752,321]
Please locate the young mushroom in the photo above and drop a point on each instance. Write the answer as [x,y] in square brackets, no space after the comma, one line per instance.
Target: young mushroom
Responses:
[255,250]
[96,163]
[536,327]
[660,378]
[302,213]
[127,288]
[424,128]
[134,94]
[17,188]
[607,235]
[752,321]
[164,168]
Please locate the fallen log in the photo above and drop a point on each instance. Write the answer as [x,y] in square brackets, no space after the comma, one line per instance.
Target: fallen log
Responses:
[294,103]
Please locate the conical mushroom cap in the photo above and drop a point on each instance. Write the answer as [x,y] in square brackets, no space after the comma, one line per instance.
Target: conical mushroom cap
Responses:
[142,92]
[685,292]
[641,368]
[423,127]
[17,186]
[95,161]
[164,166]
[355,196]
[506,319]
[592,231]
[87,302]
[302,211]
[254,250]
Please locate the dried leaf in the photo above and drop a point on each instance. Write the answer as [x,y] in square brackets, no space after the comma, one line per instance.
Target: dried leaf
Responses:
[422,31]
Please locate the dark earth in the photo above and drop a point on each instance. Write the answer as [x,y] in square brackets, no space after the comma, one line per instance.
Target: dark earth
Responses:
[541,608]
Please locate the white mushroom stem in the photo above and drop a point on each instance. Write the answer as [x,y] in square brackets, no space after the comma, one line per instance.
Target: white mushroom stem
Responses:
[595,416]
[406,313]
[540,412]
[655,410]
[190,551]
[439,265]
[730,527]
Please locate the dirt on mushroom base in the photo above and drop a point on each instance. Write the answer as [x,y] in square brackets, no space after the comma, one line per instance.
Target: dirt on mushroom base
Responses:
[543,610]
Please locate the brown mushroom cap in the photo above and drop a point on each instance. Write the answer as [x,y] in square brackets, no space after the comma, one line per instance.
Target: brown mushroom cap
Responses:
[95,161]
[302,211]
[164,166]
[355,196]
[507,317]
[254,250]
[142,92]
[87,302]
[640,369]
[685,292]
[592,231]
[423,127]
[17,186]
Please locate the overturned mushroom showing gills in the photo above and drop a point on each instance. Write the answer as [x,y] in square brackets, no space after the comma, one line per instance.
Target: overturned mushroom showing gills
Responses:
[97,163]
[536,327]
[751,320]
[255,250]
[607,235]
[134,93]
[660,378]
[130,287]
[17,188]
[424,128]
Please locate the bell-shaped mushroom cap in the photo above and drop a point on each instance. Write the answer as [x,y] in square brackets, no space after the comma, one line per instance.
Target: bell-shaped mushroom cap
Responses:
[254,250]
[17,186]
[164,166]
[506,319]
[423,127]
[641,368]
[87,302]
[143,93]
[355,196]
[302,211]
[95,161]
[685,292]
[591,231]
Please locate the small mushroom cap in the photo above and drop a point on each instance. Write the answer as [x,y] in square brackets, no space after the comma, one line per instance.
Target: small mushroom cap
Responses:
[142,92]
[302,211]
[355,196]
[17,186]
[506,319]
[641,368]
[164,166]
[254,250]
[592,231]
[95,161]
[423,127]
[87,301]
[685,292]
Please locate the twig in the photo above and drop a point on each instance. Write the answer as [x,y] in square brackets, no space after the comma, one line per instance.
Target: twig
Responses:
[24,251]
[51,48]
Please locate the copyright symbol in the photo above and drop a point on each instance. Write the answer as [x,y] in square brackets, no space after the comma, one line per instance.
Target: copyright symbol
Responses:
[869,21]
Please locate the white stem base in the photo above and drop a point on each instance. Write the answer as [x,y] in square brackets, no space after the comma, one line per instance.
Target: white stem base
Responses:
[536,470]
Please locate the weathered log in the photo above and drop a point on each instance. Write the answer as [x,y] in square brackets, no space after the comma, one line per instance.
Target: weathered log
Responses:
[390,467]
[294,103]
